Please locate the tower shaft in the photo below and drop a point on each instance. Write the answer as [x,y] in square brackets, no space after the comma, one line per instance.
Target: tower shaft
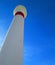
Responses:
[12,50]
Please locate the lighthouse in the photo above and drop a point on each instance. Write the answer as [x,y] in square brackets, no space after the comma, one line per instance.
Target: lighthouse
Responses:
[12,49]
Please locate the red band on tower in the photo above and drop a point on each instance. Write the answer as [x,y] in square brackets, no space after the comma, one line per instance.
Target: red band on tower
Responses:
[19,13]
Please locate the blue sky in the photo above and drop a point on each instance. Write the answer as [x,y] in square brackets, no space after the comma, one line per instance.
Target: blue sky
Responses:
[39,29]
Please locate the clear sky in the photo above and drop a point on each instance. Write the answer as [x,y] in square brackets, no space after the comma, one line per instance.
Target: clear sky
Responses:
[39,29]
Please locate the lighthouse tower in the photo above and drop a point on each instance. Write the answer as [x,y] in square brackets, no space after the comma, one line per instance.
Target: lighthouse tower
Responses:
[12,50]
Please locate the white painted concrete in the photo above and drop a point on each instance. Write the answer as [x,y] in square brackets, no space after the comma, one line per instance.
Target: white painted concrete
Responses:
[12,50]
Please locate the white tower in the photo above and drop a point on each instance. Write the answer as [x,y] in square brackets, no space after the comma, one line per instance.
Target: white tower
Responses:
[12,50]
